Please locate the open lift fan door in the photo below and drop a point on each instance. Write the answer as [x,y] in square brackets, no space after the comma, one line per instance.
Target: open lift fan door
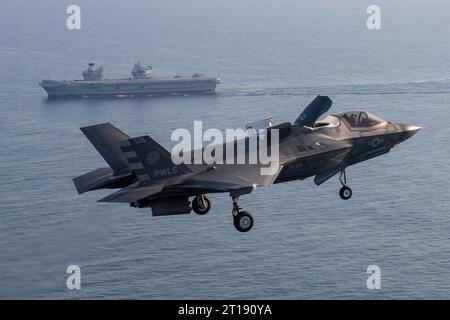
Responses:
[313,111]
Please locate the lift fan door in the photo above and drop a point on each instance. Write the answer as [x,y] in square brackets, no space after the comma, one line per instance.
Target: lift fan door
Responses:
[313,111]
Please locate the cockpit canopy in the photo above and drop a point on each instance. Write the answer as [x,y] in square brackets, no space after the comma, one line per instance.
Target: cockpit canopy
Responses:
[360,119]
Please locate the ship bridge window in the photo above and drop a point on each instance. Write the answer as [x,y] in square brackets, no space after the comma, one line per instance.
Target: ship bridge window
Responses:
[361,119]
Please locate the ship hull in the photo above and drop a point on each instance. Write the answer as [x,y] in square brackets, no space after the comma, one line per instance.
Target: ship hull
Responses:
[129,86]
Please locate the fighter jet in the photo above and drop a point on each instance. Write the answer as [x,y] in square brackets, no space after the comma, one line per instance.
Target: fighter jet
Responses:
[148,178]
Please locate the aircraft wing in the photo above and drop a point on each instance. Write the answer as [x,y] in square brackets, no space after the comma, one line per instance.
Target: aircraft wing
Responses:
[133,193]
[230,177]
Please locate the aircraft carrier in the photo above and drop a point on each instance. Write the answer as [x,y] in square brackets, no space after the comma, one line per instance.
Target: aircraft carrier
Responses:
[141,83]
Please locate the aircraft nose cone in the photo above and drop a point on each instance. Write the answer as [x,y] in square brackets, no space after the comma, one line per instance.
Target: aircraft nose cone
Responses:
[410,130]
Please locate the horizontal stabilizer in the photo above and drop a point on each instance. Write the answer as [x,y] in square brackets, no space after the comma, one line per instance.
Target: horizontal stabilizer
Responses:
[92,180]
[102,178]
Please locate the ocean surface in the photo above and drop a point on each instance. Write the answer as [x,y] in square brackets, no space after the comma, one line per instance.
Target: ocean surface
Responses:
[273,58]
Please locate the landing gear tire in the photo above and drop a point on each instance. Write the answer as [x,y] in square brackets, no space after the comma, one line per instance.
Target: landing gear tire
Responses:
[345,193]
[201,205]
[243,221]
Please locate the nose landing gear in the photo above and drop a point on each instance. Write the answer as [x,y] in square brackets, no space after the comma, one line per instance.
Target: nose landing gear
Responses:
[345,193]
[243,220]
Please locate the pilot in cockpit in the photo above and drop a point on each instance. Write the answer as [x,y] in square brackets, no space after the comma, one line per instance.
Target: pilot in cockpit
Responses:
[361,119]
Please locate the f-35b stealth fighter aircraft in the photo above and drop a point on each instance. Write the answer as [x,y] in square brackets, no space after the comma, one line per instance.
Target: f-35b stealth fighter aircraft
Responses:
[147,176]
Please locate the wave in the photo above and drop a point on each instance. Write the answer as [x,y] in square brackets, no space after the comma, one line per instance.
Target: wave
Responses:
[430,86]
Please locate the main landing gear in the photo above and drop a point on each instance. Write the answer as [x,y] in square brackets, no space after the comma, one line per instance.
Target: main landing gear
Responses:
[243,220]
[345,193]
[201,204]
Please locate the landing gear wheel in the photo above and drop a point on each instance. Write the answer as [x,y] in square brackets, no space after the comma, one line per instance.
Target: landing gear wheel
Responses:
[243,221]
[201,205]
[345,193]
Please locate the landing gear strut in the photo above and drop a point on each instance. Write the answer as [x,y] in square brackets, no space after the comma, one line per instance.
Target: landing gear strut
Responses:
[243,220]
[345,193]
[201,204]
